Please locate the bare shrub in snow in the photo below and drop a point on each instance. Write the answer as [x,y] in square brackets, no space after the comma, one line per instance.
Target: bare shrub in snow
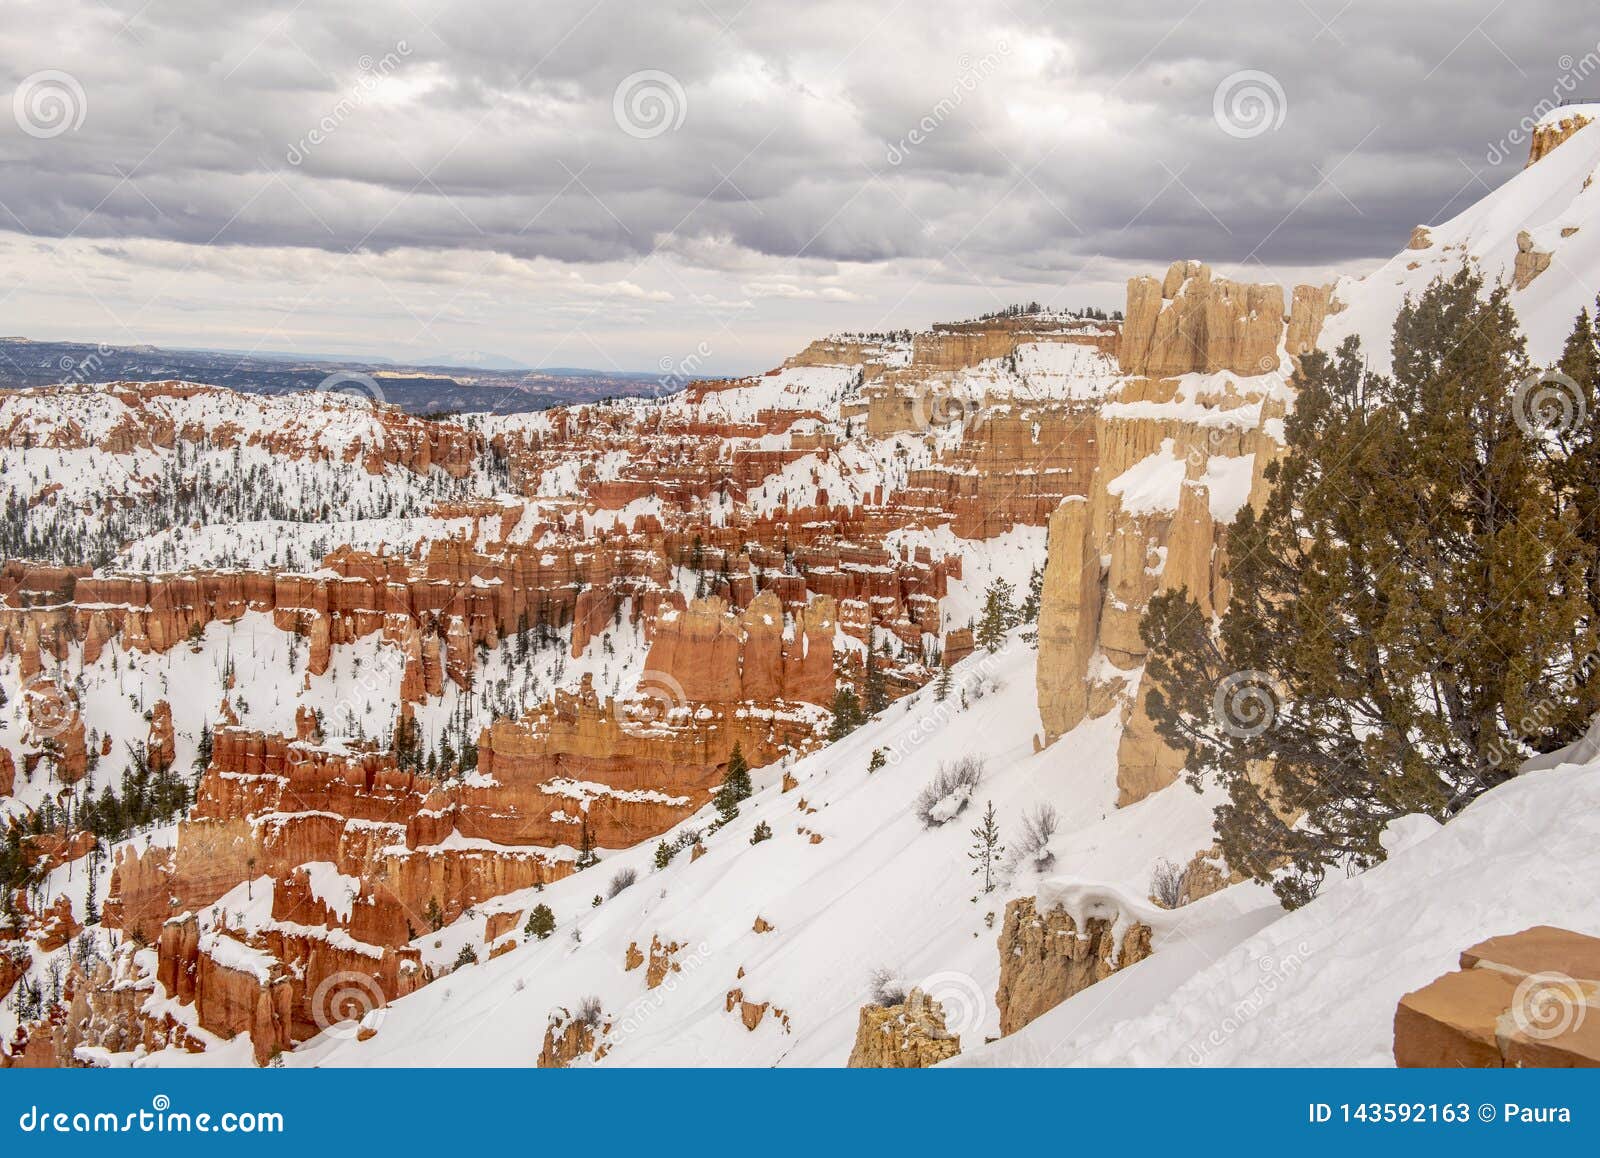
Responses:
[950,791]
[887,988]
[624,879]
[1032,844]
[588,1012]
[1168,884]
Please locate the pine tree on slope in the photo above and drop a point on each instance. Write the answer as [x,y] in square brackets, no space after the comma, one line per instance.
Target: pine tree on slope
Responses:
[1410,592]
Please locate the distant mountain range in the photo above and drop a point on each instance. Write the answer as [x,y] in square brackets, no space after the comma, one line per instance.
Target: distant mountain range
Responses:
[488,383]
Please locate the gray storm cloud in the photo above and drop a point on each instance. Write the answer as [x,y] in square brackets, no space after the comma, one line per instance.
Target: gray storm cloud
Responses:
[973,144]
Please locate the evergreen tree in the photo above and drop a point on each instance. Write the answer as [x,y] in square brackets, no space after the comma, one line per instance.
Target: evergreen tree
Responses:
[1030,603]
[434,915]
[735,787]
[541,922]
[846,714]
[999,614]
[664,854]
[941,686]
[407,744]
[986,848]
[1565,405]
[875,691]
[761,832]
[91,909]
[1408,597]
[202,754]
[737,776]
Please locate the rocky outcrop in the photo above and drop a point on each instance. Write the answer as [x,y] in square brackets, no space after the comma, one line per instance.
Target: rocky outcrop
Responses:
[160,746]
[1045,958]
[570,1036]
[626,770]
[157,415]
[662,961]
[1176,460]
[1189,322]
[1069,617]
[911,1035]
[1527,999]
[55,925]
[1530,262]
[708,653]
[282,983]
[1553,133]
[109,1006]
[141,894]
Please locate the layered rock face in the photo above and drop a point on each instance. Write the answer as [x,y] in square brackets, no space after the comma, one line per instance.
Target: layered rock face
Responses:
[706,654]
[1527,999]
[1190,323]
[1176,459]
[268,805]
[1045,958]
[625,771]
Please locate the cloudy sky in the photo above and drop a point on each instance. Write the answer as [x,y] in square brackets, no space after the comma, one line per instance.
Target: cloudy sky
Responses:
[621,184]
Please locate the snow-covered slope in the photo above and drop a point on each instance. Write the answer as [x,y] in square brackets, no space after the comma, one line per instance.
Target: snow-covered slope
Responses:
[878,891]
[1555,201]
[1319,986]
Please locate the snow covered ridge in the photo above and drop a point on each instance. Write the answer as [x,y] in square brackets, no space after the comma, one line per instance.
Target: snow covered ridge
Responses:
[88,469]
[119,416]
[1539,232]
